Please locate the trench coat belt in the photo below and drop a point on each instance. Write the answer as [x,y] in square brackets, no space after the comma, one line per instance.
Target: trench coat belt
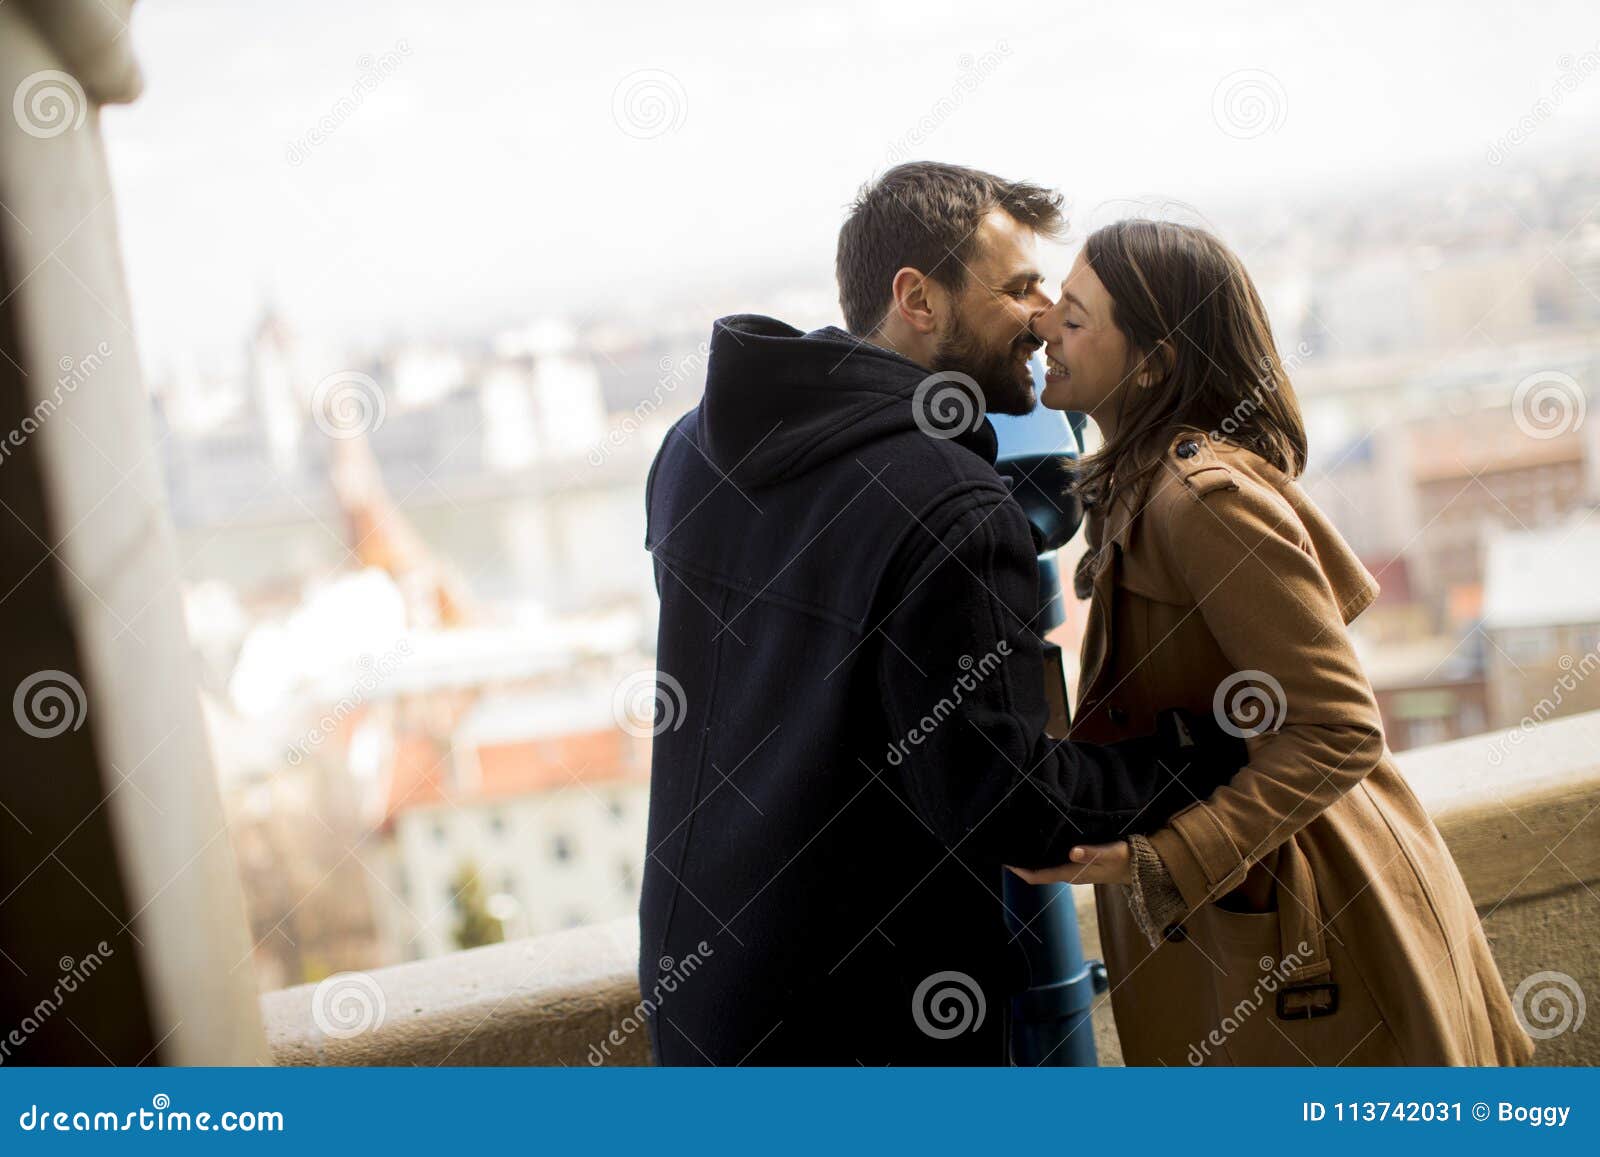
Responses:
[1300,918]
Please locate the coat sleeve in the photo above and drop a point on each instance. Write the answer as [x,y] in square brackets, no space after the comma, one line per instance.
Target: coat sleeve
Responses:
[960,676]
[1254,577]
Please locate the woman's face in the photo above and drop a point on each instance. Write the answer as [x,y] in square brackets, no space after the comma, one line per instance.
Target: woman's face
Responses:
[1086,355]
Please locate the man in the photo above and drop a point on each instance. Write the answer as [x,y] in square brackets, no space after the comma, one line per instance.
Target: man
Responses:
[853,742]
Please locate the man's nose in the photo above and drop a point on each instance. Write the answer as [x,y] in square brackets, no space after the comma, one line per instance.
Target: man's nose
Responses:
[1039,307]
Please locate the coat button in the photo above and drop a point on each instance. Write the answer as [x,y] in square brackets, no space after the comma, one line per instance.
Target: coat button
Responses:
[1188,448]
[1118,716]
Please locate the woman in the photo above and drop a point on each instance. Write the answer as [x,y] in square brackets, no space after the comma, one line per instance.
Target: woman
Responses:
[1308,912]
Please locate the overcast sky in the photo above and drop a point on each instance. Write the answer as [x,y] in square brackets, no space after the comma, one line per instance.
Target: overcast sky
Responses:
[521,157]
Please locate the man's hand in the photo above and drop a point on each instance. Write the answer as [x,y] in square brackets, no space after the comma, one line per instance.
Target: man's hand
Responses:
[1090,864]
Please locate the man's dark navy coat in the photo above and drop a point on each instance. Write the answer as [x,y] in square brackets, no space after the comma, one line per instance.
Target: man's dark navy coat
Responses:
[851,740]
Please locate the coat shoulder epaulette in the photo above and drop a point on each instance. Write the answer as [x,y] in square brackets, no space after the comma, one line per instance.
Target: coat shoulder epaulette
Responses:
[1194,458]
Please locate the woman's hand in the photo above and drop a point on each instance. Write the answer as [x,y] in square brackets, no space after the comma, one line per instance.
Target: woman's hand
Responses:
[1090,864]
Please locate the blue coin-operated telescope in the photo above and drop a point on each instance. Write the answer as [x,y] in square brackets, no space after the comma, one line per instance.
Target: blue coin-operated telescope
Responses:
[1050,1018]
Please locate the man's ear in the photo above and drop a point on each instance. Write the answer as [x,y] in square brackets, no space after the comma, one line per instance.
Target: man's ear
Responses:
[915,300]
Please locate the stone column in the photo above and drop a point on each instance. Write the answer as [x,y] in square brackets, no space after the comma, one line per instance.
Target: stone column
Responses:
[122,926]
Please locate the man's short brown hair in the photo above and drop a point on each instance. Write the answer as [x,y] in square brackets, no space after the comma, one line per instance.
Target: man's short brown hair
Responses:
[925,215]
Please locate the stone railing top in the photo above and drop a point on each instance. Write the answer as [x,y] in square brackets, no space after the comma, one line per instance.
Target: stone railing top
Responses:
[544,1000]
[1525,762]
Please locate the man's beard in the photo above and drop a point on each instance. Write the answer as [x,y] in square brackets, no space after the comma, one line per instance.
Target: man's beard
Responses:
[1007,385]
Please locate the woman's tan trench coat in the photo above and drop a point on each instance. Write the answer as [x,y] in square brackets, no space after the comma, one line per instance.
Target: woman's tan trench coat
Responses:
[1326,922]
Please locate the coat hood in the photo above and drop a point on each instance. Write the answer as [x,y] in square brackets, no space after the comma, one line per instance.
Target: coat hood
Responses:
[779,402]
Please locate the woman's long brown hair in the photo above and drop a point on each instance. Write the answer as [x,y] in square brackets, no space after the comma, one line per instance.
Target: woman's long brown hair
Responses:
[1194,321]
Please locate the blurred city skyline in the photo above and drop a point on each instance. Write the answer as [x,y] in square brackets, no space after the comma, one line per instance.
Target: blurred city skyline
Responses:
[378,170]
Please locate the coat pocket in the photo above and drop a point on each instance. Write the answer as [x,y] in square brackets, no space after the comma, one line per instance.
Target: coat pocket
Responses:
[1248,979]
[1243,949]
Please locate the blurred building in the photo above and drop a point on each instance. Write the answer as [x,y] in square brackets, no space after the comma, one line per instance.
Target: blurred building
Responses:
[1478,472]
[1423,461]
[1429,690]
[1444,460]
[1541,616]
[543,796]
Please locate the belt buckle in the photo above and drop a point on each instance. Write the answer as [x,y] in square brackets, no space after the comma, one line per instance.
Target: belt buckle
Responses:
[1310,1011]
